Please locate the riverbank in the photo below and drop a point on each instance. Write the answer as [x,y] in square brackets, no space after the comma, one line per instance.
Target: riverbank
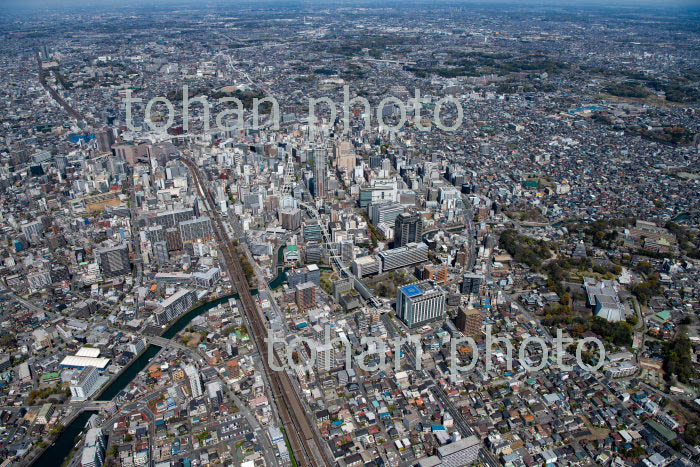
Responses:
[61,448]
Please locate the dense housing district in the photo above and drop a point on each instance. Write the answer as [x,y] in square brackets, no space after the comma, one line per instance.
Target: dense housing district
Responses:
[144,259]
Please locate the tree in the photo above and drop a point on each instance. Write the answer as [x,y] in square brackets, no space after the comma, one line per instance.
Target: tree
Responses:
[8,341]
[647,289]
[565,299]
[643,267]
[619,333]
[524,249]
[692,434]
[677,361]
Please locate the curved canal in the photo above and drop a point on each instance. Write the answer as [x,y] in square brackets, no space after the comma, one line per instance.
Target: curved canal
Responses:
[57,453]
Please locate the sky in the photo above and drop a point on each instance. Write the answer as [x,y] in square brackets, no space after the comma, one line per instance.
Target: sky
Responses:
[16,6]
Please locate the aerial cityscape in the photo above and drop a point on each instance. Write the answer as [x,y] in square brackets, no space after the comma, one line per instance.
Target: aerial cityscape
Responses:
[349,234]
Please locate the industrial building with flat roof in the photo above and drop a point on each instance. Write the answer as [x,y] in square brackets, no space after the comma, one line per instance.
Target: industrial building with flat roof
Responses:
[74,361]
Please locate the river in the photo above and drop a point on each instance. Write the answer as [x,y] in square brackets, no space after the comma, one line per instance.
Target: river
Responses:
[57,453]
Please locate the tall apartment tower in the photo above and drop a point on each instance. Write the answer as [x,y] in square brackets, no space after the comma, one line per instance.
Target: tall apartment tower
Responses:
[288,181]
[195,382]
[113,261]
[196,229]
[325,358]
[173,239]
[320,172]
[469,321]
[346,158]
[105,140]
[160,251]
[408,228]
[305,295]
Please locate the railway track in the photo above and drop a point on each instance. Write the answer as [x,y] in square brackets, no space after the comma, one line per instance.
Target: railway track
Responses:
[307,446]
[56,96]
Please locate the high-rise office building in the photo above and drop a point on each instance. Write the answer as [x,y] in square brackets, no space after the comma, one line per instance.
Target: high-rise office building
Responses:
[312,252]
[195,381]
[340,286]
[309,273]
[385,212]
[313,232]
[408,228]
[113,261]
[173,239]
[379,192]
[347,250]
[420,303]
[290,218]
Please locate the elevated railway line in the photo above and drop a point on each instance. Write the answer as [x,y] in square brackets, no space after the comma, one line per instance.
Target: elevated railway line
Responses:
[307,445]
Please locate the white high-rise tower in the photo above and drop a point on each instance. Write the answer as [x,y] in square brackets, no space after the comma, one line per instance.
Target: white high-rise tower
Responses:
[288,176]
[195,382]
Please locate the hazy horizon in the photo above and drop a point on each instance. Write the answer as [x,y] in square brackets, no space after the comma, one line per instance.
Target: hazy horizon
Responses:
[25,5]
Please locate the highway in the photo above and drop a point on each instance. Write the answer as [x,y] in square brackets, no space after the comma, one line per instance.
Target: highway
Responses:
[307,446]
